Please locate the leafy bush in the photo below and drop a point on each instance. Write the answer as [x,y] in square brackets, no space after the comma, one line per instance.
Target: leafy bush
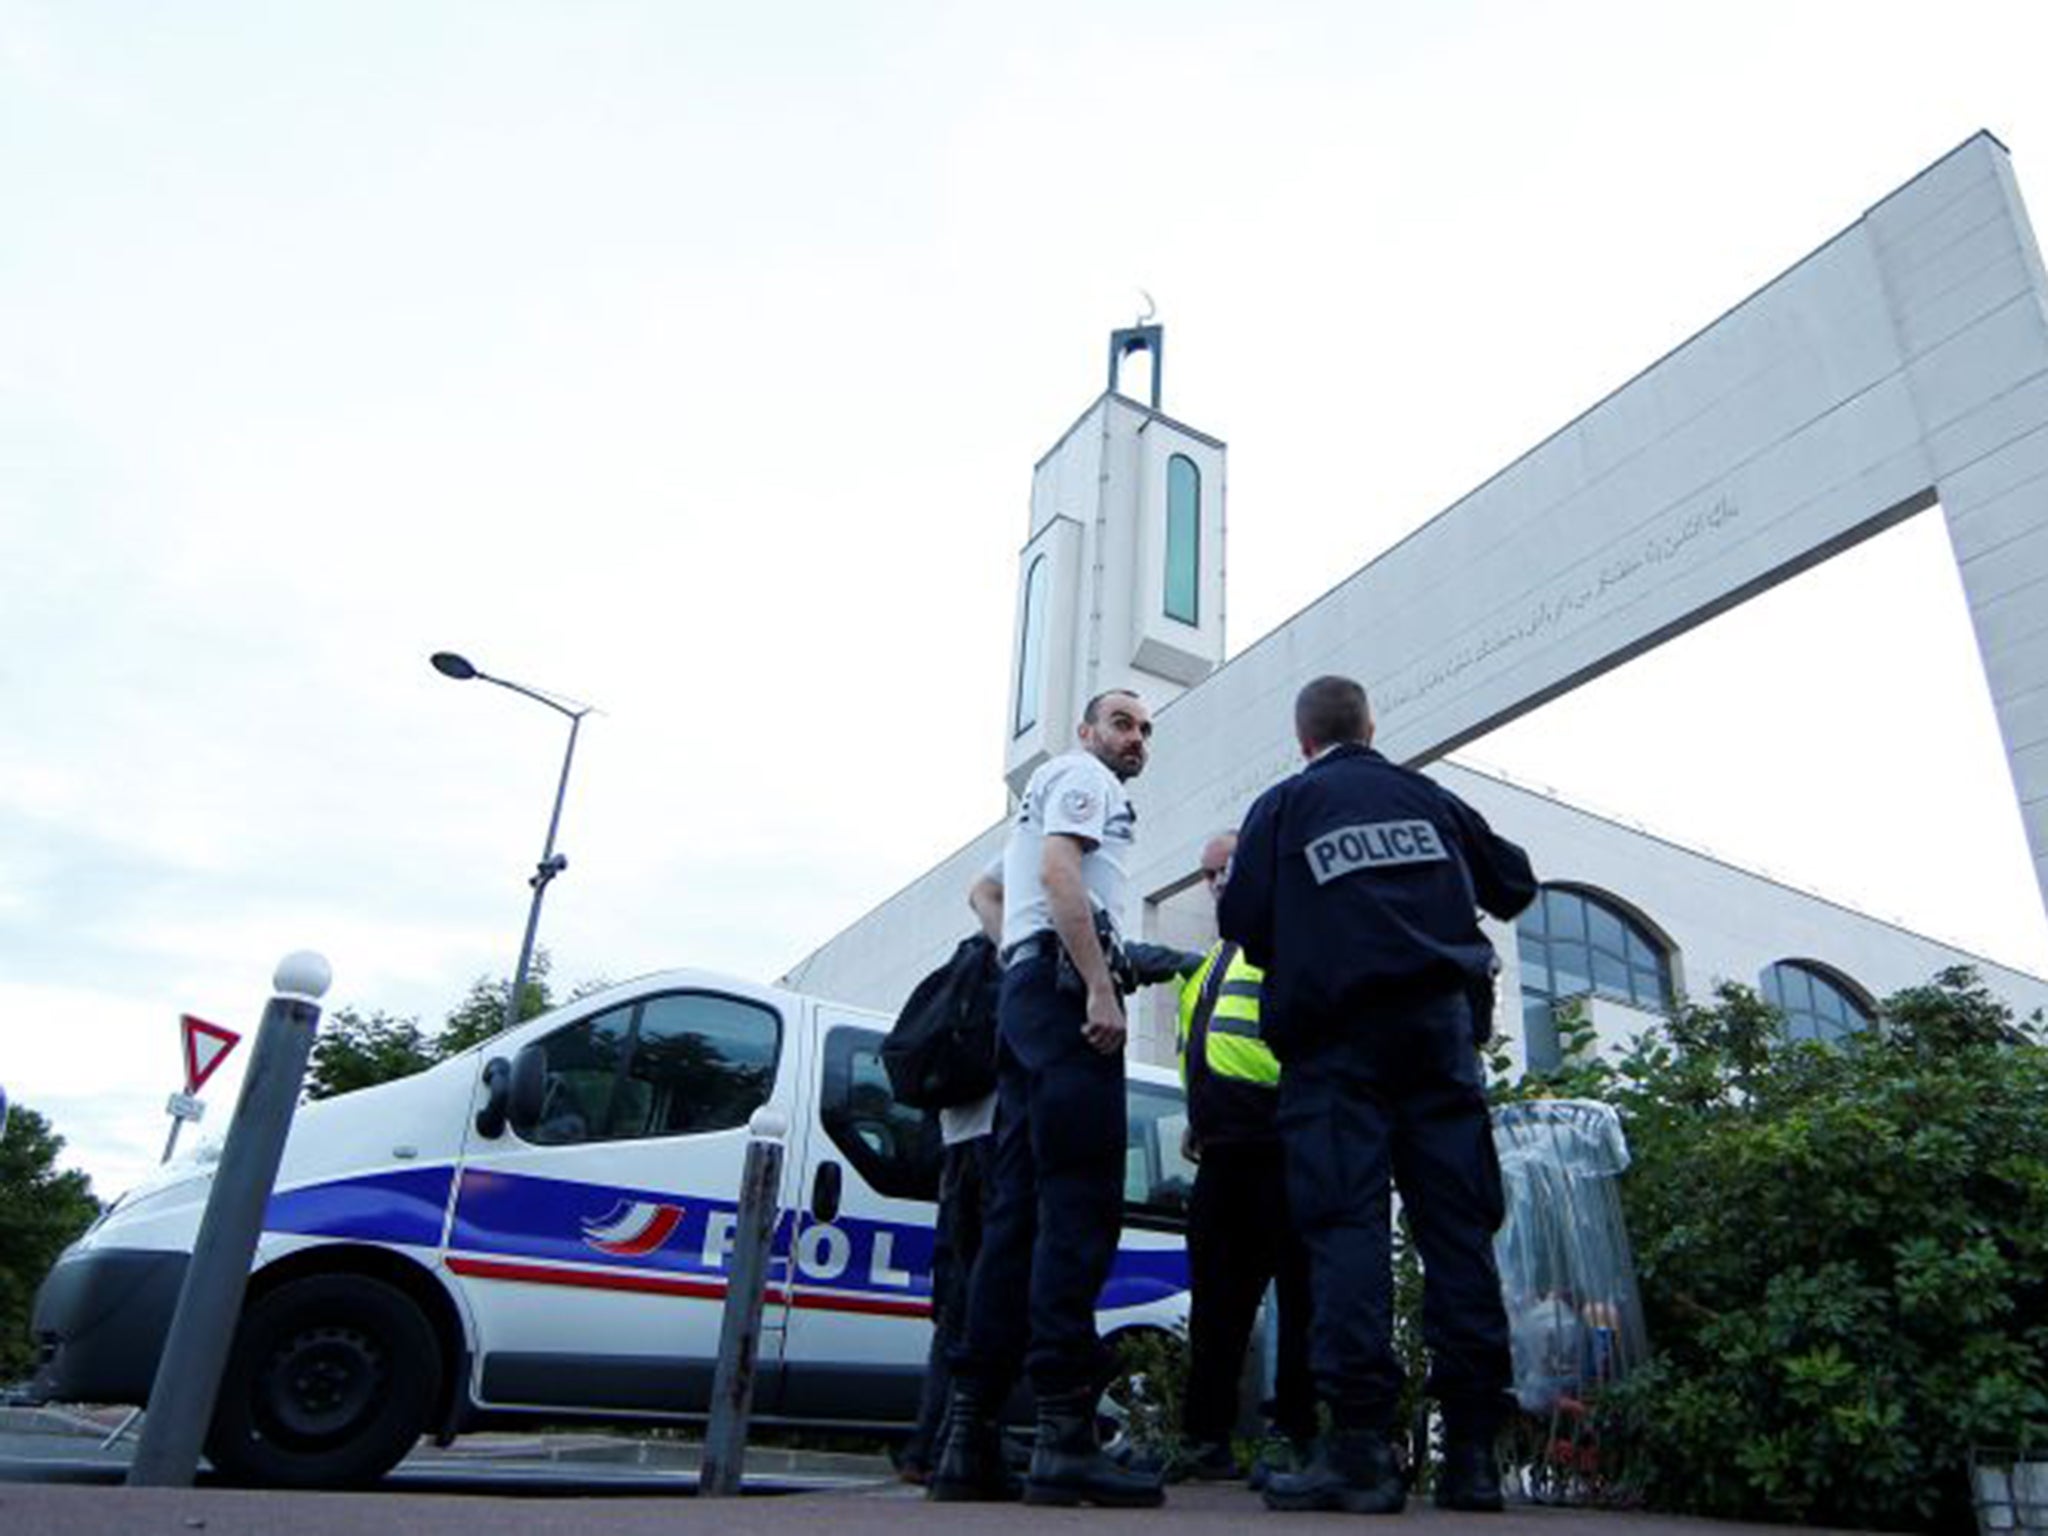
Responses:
[1149,1386]
[42,1208]
[1843,1254]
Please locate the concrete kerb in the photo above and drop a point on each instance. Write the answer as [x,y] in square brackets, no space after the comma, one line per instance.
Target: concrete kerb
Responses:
[565,1449]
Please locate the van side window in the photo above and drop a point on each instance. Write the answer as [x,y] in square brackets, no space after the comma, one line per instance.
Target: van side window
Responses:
[675,1065]
[1157,1178]
[892,1146]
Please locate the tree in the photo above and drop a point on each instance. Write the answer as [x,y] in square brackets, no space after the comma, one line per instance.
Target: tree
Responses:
[481,1013]
[41,1212]
[354,1050]
[1843,1255]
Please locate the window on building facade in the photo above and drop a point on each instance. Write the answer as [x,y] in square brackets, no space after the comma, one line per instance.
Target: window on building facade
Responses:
[1572,943]
[1031,647]
[1183,539]
[1816,1006]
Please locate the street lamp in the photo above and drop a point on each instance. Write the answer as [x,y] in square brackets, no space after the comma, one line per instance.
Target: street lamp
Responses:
[450,665]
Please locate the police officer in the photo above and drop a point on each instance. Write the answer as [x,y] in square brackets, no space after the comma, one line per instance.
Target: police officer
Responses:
[967,1136]
[1354,885]
[1239,1237]
[1057,1207]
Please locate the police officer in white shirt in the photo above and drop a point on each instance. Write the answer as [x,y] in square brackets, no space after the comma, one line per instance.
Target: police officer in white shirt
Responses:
[1057,1207]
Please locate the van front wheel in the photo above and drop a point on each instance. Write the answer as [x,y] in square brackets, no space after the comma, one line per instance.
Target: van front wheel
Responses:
[329,1384]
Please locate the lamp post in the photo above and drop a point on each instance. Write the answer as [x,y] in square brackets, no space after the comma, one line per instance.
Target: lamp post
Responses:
[450,665]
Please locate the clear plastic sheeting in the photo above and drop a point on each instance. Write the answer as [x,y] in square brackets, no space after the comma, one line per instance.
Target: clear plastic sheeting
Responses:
[1575,1318]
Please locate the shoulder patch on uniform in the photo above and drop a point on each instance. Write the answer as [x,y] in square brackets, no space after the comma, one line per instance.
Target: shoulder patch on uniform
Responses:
[1372,845]
[1078,804]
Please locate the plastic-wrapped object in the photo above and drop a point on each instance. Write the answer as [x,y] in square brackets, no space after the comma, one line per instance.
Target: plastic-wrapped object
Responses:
[1575,1319]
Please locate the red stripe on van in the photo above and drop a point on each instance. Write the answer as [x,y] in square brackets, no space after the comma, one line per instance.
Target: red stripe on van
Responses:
[876,1306]
[590,1279]
[661,1285]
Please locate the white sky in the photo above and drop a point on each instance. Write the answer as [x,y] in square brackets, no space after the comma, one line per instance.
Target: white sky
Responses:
[692,359]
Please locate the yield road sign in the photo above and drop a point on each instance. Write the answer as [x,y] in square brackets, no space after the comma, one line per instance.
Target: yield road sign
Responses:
[205,1046]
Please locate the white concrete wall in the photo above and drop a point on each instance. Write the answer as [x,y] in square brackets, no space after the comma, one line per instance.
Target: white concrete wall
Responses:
[1727,923]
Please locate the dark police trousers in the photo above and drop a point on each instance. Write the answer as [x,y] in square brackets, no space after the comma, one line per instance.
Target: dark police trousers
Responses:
[1398,1094]
[963,1197]
[1240,1239]
[1056,1210]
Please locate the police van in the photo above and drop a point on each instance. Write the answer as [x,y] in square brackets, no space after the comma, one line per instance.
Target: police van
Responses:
[541,1228]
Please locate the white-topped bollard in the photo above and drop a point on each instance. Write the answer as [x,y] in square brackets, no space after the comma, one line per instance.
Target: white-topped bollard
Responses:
[202,1330]
[303,973]
[739,1336]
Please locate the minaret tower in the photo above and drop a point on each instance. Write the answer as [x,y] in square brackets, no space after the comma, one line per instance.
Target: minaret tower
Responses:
[1120,582]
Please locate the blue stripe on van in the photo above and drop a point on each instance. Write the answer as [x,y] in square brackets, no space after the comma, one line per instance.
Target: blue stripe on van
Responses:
[564,1221]
[406,1206]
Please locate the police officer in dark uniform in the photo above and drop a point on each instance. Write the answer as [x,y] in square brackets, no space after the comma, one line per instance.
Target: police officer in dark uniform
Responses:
[1355,885]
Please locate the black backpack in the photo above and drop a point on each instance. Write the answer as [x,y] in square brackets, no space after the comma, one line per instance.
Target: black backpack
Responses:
[942,1050]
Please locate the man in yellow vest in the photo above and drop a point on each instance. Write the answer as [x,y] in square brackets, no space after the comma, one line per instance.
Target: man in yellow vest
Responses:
[1239,1237]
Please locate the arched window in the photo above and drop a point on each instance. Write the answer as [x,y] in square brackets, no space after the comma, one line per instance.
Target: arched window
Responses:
[1183,539]
[1031,647]
[1572,943]
[1817,1004]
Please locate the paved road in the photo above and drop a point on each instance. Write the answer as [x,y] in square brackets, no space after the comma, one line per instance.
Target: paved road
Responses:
[46,1449]
[67,1485]
[888,1510]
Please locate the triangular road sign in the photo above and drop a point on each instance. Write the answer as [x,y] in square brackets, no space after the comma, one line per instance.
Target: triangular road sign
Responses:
[205,1047]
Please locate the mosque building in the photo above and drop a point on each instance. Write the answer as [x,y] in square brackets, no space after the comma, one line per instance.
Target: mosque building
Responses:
[1901,367]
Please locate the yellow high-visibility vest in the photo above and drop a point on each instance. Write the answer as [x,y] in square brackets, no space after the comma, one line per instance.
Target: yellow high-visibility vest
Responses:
[1232,1047]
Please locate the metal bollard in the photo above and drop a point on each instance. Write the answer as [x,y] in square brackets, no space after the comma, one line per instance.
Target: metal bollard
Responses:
[203,1328]
[739,1337]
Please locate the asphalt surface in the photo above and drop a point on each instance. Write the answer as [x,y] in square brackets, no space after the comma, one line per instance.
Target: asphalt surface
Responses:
[58,1478]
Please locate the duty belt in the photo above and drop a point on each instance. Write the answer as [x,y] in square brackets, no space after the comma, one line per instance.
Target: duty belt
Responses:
[1042,945]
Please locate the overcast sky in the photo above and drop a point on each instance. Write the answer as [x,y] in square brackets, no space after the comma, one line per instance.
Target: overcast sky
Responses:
[692,359]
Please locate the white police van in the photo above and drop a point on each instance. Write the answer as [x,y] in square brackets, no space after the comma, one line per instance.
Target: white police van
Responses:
[541,1227]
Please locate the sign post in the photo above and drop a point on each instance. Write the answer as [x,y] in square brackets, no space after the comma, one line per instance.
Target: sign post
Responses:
[206,1046]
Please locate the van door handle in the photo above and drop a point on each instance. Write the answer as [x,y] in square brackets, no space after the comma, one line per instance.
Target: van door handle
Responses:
[825,1186]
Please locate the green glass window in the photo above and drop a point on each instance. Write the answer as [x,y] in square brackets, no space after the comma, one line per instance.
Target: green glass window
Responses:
[1183,539]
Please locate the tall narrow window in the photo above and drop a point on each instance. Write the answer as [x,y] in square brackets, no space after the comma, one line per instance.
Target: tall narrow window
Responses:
[1183,539]
[1031,648]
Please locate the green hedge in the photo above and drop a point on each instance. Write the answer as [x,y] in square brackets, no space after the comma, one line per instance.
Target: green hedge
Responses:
[1843,1254]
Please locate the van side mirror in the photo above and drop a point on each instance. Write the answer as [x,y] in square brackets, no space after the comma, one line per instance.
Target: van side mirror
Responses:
[490,1120]
[528,1088]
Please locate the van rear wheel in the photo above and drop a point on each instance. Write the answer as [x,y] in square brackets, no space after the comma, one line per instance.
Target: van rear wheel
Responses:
[330,1383]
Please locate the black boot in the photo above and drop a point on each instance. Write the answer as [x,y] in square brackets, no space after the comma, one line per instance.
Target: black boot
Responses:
[1067,1464]
[1470,1476]
[1353,1470]
[970,1467]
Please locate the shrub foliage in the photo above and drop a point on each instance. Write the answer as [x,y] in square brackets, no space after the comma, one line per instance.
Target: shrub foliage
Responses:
[1843,1254]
